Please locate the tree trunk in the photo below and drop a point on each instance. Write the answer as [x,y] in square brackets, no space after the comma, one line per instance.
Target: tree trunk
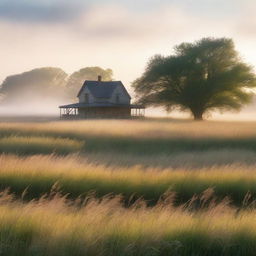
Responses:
[198,115]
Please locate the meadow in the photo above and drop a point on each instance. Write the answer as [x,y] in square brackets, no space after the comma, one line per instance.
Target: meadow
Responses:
[127,187]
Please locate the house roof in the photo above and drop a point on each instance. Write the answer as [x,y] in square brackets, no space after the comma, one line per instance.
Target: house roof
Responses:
[102,89]
[91,105]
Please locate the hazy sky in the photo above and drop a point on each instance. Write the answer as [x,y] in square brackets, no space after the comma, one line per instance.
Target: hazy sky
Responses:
[121,35]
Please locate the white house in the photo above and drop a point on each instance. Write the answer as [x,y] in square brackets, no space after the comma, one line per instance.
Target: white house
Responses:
[102,99]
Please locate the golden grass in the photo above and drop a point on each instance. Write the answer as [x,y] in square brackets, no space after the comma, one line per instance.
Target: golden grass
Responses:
[104,227]
[142,137]
[38,145]
[121,161]
[182,160]
[139,128]
[75,176]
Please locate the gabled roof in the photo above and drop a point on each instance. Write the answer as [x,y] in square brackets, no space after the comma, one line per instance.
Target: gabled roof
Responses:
[102,89]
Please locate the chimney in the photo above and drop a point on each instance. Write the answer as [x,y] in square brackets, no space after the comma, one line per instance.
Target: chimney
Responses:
[99,78]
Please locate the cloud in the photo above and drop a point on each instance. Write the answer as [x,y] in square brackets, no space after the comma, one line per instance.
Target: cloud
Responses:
[40,11]
[115,36]
[50,11]
[115,21]
[246,23]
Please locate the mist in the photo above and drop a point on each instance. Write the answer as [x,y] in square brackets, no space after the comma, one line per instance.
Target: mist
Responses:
[45,107]
[49,109]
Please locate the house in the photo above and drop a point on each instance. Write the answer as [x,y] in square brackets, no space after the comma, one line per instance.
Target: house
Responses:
[102,99]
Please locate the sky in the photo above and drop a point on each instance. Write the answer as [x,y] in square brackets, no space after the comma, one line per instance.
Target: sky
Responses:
[121,35]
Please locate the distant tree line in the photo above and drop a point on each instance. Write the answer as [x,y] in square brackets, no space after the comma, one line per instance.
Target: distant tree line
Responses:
[49,83]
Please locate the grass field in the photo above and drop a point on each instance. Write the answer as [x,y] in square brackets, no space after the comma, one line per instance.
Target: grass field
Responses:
[74,176]
[104,227]
[127,187]
[150,137]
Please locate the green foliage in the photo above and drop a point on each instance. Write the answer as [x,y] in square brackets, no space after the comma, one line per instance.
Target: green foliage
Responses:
[200,77]
[77,79]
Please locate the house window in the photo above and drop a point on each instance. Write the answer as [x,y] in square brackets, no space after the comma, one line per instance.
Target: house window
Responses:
[86,98]
[117,98]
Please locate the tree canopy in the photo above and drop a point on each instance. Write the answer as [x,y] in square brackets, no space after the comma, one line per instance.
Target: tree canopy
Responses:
[37,83]
[76,79]
[199,77]
[48,83]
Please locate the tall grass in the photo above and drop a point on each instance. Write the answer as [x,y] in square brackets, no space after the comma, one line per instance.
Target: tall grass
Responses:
[75,177]
[103,227]
[190,175]
[143,138]
[181,160]
[137,128]
[38,145]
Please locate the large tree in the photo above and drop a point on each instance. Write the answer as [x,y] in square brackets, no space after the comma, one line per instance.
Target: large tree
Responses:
[76,80]
[203,76]
[37,84]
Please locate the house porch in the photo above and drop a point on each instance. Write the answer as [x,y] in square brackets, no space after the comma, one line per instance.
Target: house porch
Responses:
[84,111]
